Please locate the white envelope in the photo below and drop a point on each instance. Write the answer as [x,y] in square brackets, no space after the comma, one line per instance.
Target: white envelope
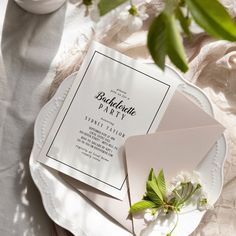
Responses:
[183,138]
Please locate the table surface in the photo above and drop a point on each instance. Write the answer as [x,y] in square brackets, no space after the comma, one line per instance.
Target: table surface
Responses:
[34,51]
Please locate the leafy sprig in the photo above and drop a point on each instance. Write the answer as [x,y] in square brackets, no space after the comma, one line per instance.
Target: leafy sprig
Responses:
[208,14]
[157,199]
[165,37]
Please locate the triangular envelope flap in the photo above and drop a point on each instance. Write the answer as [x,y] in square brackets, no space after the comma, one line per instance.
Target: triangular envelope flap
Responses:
[183,113]
[113,207]
[171,151]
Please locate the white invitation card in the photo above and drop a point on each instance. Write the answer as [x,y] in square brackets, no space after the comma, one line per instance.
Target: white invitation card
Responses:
[113,97]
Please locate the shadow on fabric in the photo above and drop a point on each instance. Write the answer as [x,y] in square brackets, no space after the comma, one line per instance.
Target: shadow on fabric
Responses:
[29,45]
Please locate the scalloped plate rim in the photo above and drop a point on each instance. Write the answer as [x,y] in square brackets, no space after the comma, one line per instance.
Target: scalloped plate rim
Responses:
[44,193]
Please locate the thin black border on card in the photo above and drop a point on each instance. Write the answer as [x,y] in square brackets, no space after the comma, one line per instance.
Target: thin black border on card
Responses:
[73,99]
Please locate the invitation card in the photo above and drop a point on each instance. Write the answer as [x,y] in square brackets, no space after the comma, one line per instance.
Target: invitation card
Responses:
[112,98]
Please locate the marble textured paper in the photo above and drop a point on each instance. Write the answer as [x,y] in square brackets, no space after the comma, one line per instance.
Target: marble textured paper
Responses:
[108,103]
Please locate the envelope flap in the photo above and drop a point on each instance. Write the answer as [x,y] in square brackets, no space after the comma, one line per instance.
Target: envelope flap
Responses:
[171,151]
[182,113]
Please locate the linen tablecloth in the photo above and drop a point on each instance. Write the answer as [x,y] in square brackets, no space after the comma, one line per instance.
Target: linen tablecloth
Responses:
[38,52]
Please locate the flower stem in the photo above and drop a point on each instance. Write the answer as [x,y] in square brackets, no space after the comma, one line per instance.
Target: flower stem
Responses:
[177,221]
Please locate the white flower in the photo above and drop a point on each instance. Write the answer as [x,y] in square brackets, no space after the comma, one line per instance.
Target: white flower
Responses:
[169,189]
[204,194]
[203,204]
[150,215]
[196,178]
[133,17]
[182,177]
[185,177]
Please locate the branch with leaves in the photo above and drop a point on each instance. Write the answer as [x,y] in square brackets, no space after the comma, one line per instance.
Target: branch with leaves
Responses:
[158,200]
[165,36]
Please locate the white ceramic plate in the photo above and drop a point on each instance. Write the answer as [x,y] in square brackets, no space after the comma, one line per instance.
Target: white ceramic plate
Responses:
[69,209]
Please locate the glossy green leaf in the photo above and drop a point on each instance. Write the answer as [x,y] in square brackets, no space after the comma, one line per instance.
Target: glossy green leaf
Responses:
[151,196]
[173,201]
[183,20]
[151,175]
[152,191]
[188,188]
[141,205]
[164,39]
[213,18]
[107,5]
[157,41]
[153,188]
[175,48]
[161,183]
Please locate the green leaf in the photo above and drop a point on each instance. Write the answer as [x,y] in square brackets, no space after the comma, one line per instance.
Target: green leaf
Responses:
[141,205]
[157,40]
[173,201]
[161,183]
[153,192]
[107,5]
[175,48]
[151,196]
[183,20]
[164,39]
[213,18]
[188,188]
[185,193]
[151,175]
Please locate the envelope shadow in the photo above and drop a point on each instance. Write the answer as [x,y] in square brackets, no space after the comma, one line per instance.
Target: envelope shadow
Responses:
[81,187]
